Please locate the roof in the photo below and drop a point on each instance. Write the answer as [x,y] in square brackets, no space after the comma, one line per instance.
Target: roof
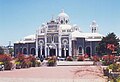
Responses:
[87,36]
[77,34]
[93,39]
[93,35]
[23,41]
[30,37]
[63,14]
[65,27]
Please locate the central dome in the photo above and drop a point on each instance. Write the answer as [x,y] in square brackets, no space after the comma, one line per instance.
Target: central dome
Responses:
[63,15]
[63,18]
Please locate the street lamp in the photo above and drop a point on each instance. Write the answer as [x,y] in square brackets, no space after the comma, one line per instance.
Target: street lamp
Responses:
[65,48]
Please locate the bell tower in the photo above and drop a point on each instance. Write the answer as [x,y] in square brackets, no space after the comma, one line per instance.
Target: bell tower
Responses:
[94,27]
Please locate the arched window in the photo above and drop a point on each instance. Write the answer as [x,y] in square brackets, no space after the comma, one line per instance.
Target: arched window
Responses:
[65,41]
[96,49]
[55,38]
[61,21]
[80,50]
[66,21]
[24,50]
[16,51]
[88,51]
[49,38]
[32,51]
[20,50]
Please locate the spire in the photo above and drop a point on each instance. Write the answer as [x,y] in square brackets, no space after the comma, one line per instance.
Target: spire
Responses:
[94,27]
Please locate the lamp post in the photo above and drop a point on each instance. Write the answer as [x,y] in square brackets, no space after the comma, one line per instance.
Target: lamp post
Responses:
[41,48]
[65,48]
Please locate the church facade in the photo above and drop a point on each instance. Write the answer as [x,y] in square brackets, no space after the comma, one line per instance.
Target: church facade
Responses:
[58,37]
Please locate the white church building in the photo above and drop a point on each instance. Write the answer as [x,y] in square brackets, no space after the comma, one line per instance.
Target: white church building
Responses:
[60,38]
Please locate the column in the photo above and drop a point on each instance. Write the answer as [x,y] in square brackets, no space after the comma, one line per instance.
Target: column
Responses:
[59,42]
[48,51]
[45,41]
[70,45]
[36,43]
[40,49]
[56,51]
[65,50]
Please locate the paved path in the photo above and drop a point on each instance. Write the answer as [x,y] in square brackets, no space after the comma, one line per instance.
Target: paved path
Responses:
[74,63]
[53,74]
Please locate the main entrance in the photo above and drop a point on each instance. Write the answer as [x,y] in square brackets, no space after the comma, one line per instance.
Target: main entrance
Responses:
[52,52]
[65,53]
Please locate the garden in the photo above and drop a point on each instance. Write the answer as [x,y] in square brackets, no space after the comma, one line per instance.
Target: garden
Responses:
[21,61]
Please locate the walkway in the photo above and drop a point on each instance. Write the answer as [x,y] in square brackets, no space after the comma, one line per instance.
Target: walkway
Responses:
[54,74]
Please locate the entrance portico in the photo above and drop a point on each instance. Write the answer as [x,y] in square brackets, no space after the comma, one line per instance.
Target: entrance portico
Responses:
[52,49]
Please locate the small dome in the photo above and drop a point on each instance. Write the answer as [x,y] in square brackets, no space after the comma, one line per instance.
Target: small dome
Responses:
[63,15]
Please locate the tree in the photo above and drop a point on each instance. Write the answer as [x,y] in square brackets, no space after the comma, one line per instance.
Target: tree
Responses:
[108,44]
[1,50]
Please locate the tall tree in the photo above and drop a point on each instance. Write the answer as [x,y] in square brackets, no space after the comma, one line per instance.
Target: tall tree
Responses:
[108,44]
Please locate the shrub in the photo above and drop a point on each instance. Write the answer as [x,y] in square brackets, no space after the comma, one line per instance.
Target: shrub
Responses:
[96,58]
[20,57]
[52,61]
[80,58]
[86,56]
[32,59]
[69,58]
[5,59]
[115,67]
[108,59]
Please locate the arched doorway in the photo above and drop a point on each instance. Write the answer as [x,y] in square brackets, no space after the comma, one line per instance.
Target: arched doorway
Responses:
[32,51]
[80,50]
[88,51]
[24,50]
[52,49]
[52,52]
[63,53]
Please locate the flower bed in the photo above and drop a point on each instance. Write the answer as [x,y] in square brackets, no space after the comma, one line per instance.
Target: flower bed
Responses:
[6,61]
[26,62]
[69,58]
[51,61]
[80,58]
[108,59]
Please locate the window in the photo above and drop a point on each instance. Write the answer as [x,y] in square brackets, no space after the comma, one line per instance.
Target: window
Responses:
[41,42]
[55,38]
[65,41]
[63,30]
[66,21]
[61,21]
[49,39]
[17,51]
[25,51]
[69,30]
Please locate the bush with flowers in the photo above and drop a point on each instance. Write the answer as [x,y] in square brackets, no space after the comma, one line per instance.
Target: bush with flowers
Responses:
[6,61]
[69,58]
[80,58]
[108,59]
[51,61]
[23,61]
[86,56]
[96,58]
